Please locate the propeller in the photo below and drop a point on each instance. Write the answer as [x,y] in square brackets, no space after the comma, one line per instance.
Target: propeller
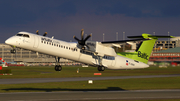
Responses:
[37,32]
[45,34]
[82,42]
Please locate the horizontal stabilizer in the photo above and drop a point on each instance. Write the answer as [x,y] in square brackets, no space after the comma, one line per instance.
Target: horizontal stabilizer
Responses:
[122,41]
[144,35]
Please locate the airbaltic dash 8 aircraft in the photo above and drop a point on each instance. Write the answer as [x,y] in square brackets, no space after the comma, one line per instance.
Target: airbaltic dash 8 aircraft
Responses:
[99,54]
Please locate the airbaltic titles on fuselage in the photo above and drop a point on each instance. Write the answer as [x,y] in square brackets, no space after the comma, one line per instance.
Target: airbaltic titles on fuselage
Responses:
[49,40]
[56,43]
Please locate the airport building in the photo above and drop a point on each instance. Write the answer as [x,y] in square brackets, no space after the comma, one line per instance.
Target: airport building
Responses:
[164,45]
[166,52]
[171,56]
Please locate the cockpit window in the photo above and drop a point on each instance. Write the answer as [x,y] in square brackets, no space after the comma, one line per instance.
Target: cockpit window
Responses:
[19,34]
[24,35]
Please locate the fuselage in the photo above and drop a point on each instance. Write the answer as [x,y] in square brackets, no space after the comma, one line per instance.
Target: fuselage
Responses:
[70,51]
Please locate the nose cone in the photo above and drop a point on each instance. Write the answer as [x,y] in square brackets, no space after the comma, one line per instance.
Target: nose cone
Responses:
[10,41]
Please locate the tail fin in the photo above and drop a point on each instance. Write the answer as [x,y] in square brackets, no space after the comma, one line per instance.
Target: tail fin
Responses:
[143,52]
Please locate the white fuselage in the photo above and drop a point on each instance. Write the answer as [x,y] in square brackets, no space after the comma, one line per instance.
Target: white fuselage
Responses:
[70,51]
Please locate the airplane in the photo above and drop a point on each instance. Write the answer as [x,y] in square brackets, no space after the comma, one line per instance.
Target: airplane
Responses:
[98,54]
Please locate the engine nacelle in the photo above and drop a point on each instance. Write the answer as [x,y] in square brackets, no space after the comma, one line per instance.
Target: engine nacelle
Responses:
[100,49]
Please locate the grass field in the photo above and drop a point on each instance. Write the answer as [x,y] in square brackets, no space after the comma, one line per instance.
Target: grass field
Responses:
[98,85]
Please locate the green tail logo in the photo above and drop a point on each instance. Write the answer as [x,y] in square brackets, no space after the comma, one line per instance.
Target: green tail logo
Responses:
[143,52]
[143,55]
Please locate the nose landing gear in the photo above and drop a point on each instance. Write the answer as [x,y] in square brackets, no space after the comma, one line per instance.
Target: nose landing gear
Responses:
[13,51]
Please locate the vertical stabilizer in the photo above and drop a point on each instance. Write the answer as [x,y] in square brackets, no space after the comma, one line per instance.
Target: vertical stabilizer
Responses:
[143,52]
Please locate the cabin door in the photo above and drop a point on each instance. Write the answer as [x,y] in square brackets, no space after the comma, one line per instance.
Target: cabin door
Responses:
[36,42]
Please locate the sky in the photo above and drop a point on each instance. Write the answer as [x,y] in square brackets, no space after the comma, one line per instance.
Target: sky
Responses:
[65,18]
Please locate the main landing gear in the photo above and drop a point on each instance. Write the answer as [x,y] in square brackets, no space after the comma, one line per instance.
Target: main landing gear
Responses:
[101,68]
[57,66]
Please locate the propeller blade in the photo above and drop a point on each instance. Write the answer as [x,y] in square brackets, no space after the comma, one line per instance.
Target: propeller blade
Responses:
[82,41]
[87,37]
[37,32]
[82,34]
[76,38]
[45,34]
[87,46]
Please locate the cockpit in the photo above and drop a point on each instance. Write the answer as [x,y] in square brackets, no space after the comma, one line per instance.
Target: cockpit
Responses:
[23,35]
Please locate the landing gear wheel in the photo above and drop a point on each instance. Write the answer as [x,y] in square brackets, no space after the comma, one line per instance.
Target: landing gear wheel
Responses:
[13,51]
[58,68]
[101,68]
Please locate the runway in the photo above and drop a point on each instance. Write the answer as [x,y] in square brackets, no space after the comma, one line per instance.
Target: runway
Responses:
[87,95]
[91,95]
[44,80]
